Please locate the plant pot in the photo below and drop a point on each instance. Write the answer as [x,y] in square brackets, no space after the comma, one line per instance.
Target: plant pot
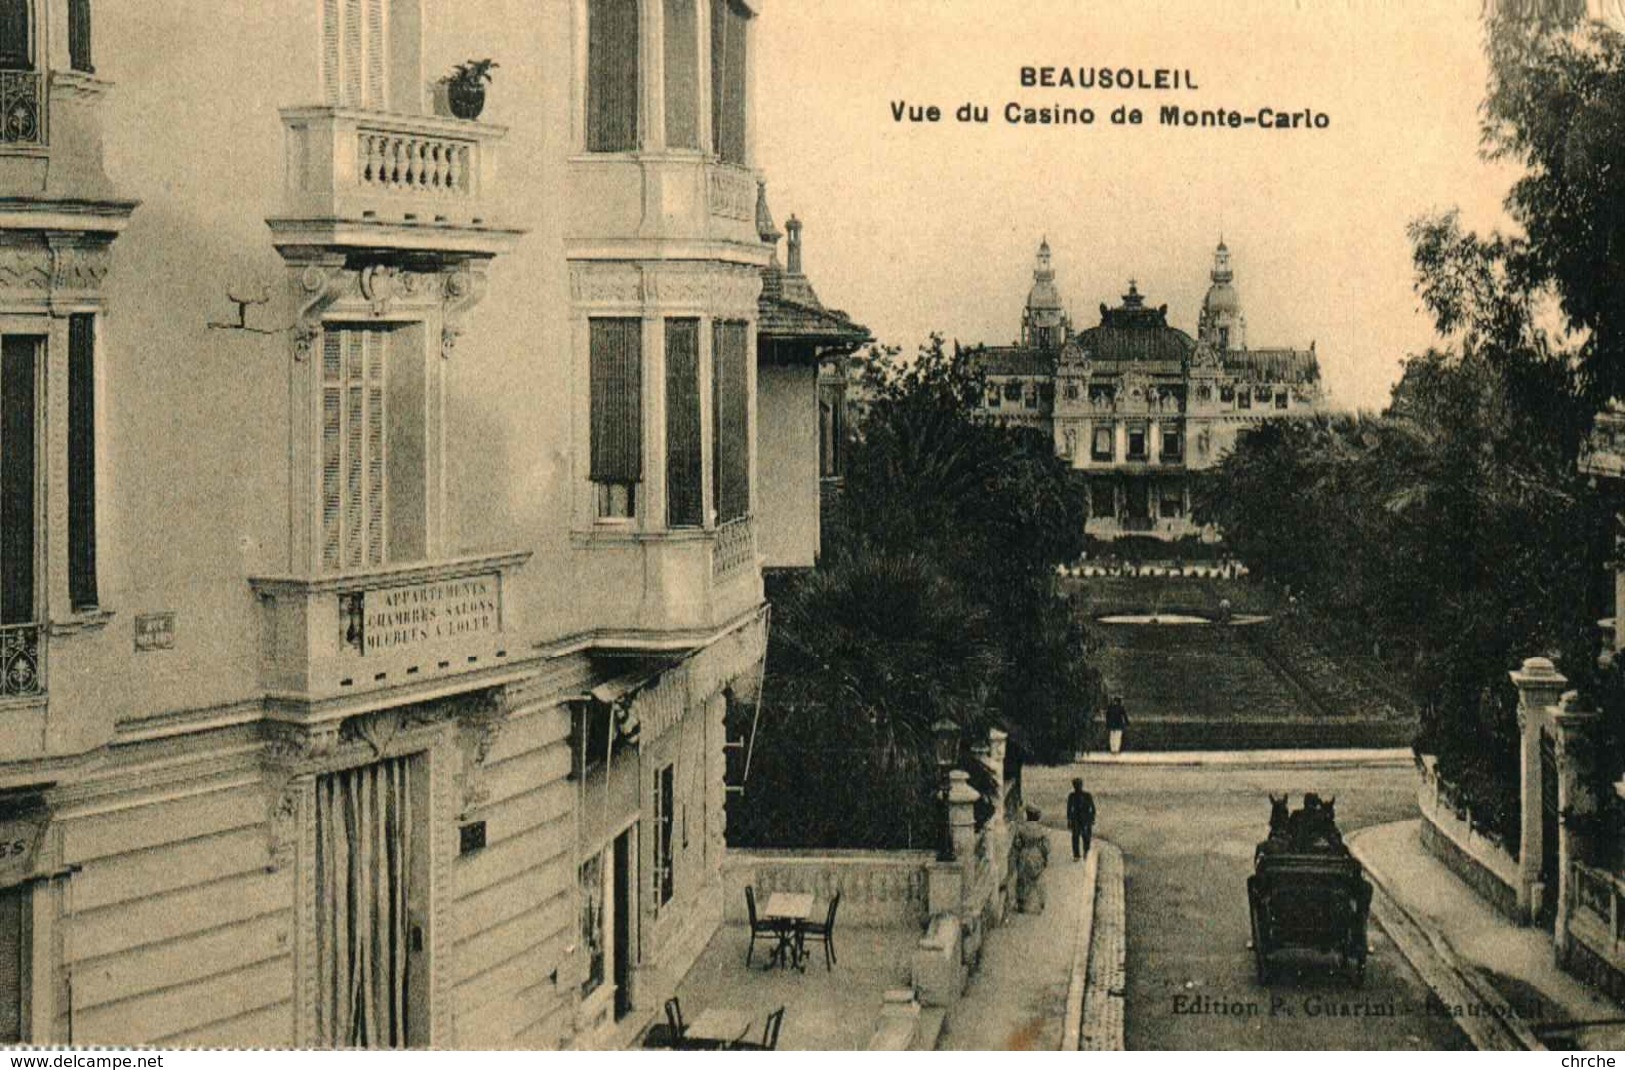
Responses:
[466,101]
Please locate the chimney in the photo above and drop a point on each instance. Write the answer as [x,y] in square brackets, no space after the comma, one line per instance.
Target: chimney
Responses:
[793,226]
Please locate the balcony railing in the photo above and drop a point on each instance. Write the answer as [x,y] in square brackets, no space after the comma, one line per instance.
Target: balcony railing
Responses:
[1139,523]
[355,170]
[21,661]
[400,625]
[735,548]
[22,108]
[1599,893]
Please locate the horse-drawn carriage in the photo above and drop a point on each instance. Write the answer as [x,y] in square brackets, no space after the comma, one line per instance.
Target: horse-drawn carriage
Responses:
[1307,892]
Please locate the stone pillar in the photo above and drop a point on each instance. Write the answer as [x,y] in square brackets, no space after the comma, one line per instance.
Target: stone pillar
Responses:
[991,755]
[1571,727]
[962,799]
[1119,441]
[1539,684]
[1153,443]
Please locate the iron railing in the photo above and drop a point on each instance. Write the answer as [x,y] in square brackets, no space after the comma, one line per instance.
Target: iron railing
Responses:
[21,661]
[22,108]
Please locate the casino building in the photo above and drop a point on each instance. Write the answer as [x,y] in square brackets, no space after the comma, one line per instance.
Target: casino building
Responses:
[1139,407]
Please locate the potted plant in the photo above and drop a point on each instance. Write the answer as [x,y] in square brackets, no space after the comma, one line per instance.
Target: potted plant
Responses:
[465,87]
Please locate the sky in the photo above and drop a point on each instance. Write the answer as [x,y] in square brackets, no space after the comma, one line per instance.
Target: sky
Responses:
[914,228]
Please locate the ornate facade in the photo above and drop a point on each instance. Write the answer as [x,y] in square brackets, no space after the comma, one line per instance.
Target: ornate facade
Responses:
[1139,407]
[364,501]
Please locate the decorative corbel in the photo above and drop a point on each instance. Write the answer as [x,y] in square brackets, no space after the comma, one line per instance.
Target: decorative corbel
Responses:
[464,287]
[477,732]
[291,752]
[320,283]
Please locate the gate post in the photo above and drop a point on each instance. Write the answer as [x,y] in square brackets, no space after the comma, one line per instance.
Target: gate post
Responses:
[1539,684]
[1571,725]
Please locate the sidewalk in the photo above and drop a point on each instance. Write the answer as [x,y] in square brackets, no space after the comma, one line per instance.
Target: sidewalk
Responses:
[1470,954]
[1017,999]
[1386,757]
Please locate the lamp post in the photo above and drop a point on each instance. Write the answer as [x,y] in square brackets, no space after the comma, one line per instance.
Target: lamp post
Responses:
[945,736]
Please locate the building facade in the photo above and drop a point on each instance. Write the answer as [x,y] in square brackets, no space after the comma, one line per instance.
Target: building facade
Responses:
[378,525]
[1138,407]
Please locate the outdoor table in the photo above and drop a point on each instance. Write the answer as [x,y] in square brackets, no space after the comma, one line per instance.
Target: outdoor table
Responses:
[793,910]
[717,1027]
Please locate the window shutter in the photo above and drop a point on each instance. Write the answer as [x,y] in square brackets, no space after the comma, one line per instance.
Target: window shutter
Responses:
[728,105]
[373,355]
[13,954]
[612,75]
[616,401]
[684,442]
[79,55]
[17,507]
[355,53]
[730,423]
[376,47]
[82,460]
[332,407]
[682,76]
[15,49]
[354,439]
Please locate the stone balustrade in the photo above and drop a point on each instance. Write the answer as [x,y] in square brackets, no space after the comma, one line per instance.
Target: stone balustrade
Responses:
[879,889]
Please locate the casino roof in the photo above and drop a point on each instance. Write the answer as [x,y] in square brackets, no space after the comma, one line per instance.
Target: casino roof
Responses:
[1274,365]
[1014,360]
[1134,333]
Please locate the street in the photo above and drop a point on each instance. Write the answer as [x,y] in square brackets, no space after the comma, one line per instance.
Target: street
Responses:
[1187,834]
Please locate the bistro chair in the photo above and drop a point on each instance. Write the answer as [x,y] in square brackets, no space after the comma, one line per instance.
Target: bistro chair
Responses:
[667,1034]
[825,931]
[769,929]
[770,1034]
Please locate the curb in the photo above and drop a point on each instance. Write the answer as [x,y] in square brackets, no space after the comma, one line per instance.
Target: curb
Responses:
[1455,982]
[1072,1029]
[1102,1006]
[1393,757]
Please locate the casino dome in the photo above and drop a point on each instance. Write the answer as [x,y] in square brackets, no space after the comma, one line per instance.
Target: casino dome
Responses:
[1044,296]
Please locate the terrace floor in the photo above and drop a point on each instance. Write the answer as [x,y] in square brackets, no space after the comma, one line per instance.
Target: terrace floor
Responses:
[825,1010]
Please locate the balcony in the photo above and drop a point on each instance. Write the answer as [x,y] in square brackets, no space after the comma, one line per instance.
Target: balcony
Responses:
[668,589]
[363,179]
[621,201]
[435,628]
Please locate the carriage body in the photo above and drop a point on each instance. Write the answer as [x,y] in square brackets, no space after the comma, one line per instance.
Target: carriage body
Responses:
[1312,901]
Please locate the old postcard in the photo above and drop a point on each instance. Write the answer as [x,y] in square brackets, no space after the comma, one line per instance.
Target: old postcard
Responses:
[770,524]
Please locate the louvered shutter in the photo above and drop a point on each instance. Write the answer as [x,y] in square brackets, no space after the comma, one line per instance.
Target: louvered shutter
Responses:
[82,460]
[682,76]
[15,50]
[730,422]
[79,54]
[612,75]
[354,449]
[684,442]
[13,955]
[355,53]
[616,360]
[18,356]
[728,81]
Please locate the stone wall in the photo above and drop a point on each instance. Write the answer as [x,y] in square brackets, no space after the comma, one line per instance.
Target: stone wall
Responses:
[1482,863]
[879,889]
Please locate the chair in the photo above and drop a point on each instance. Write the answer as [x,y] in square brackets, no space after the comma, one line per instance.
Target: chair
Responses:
[825,932]
[667,1034]
[757,926]
[770,1034]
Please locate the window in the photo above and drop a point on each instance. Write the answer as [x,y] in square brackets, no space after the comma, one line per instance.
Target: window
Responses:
[1136,444]
[1244,399]
[1012,390]
[730,425]
[79,36]
[1171,446]
[665,828]
[1071,390]
[1227,394]
[616,372]
[612,75]
[373,438]
[82,461]
[831,436]
[728,105]
[355,59]
[682,75]
[592,883]
[1280,400]
[14,956]
[1224,337]
[18,506]
[685,503]
[1032,396]
[1172,504]
[16,36]
[1046,393]
[1103,444]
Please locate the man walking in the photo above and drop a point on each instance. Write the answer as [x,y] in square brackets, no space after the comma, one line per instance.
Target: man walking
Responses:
[1116,721]
[1080,818]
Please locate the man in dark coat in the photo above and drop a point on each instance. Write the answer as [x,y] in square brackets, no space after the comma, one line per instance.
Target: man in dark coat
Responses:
[1116,721]
[1080,818]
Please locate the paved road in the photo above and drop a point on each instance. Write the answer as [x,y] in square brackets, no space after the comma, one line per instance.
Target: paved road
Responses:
[1187,836]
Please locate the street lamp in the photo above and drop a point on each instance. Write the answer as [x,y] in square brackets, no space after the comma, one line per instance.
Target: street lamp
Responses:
[945,737]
